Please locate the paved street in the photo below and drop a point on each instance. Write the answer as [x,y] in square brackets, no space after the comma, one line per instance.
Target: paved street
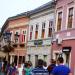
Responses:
[1,73]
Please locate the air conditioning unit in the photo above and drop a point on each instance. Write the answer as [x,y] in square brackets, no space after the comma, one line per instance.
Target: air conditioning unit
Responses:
[59,41]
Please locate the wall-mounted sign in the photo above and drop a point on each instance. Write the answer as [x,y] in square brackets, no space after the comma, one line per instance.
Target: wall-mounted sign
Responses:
[38,42]
[66,49]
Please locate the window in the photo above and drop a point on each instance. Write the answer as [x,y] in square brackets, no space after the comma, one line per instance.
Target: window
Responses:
[11,36]
[70,17]
[24,36]
[31,30]
[59,21]
[16,37]
[30,35]
[50,28]
[24,32]
[43,29]
[36,31]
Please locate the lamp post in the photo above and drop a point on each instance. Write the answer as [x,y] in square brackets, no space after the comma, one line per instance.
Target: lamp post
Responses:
[7,47]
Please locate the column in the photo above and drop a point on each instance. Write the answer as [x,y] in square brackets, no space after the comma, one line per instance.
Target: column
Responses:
[33,60]
[27,58]
[11,59]
[48,59]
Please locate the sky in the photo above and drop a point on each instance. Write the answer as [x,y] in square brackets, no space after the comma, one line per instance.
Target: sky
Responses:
[9,8]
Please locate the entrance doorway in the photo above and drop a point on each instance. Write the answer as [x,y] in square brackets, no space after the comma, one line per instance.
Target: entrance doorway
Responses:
[15,60]
[66,54]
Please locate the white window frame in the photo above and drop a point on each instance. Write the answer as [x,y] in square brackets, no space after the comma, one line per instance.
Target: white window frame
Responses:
[24,30]
[42,25]
[38,27]
[57,18]
[67,16]
[24,34]
[12,35]
[18,33]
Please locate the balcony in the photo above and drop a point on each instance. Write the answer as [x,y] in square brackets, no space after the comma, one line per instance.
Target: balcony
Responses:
[22,44]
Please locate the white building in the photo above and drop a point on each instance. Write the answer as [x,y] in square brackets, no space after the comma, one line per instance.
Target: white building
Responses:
[41,26]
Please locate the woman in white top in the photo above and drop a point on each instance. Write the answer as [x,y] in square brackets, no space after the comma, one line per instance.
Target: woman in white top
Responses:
[20,69]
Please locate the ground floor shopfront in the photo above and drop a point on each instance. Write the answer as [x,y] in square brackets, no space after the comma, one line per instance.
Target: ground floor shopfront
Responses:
[67,50]
[40,52]
[18,56]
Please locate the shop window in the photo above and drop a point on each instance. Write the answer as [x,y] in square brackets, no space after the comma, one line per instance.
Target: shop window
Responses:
[20,59]
[59,21]
[70,18]
[23,59]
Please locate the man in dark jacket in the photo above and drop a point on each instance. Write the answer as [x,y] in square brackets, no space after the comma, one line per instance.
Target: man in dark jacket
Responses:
[51,66]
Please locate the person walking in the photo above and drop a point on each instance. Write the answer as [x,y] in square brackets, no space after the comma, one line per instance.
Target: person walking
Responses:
[12,69]
[61,69]
[51,66]
[27,69]
[44,65]
[39,70]
[19,69]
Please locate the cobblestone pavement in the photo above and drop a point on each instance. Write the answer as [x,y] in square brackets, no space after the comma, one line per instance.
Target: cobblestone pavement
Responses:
[1,73]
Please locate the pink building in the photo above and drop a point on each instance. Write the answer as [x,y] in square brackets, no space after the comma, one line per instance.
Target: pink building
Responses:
[18,27]
[64,42]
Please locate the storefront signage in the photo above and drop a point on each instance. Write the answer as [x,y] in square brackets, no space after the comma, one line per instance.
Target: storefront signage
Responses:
[66,49]
[38,42]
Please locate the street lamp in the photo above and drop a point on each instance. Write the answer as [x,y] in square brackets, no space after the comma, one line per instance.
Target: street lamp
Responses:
[7,37]
[7,47]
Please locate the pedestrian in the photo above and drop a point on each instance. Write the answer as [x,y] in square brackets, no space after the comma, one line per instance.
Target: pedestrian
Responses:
[0,65]
[44,65]
[51,66]
[27,68]
[61,69]
[12,69]
[39,70]
[19,69]
[7,67]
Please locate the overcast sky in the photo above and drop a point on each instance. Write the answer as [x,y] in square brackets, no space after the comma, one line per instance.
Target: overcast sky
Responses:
[10,8]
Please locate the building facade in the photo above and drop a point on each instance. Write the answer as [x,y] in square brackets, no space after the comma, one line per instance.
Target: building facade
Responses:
[40,33]
[63,44]
[18,27]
